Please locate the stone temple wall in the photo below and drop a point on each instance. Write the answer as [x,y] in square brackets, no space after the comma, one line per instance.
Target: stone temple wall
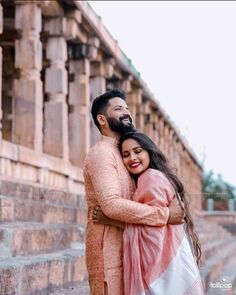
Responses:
[56,57]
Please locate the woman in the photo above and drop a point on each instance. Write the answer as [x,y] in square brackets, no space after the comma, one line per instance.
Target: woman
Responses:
[157,260]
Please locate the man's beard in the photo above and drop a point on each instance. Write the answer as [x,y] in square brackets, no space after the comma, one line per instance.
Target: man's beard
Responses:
[118,125]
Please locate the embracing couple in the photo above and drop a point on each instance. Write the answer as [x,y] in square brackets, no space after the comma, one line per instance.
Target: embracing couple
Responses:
[140,237]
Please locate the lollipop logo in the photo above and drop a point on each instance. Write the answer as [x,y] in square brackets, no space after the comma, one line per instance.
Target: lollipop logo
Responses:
[223,284]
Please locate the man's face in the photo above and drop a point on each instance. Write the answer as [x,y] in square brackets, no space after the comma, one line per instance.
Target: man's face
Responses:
[118,116]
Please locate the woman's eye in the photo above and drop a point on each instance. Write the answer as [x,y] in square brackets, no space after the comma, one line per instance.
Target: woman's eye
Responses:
[138,151]
[125,155]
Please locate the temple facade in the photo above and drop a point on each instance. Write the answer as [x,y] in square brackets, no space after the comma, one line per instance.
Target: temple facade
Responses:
[55,58]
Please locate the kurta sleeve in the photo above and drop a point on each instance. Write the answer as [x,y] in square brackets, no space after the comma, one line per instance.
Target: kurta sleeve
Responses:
[104,175]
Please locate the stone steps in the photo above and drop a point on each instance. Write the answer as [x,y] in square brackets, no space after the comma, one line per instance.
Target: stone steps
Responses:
[21,202]
[206,237]
[81,289]
[215,246]
[29,192]
[216,260]
[42,274]
[41,240]
[228,276]
[17,209]
[24,238]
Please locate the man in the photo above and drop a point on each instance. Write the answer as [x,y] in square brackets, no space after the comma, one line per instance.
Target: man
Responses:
[109,185]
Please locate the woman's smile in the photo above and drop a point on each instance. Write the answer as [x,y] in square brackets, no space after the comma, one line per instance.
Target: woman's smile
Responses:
[135,165]
[135,158]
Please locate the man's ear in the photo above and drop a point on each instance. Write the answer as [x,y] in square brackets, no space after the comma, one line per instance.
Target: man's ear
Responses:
[101,119]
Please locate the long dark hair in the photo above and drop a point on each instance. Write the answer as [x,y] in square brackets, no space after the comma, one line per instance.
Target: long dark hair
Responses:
[159,162]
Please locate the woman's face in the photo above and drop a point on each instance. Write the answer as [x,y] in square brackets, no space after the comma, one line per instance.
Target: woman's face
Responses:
[135,158]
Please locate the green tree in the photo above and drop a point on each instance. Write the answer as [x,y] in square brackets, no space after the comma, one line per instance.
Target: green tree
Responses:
[216,188]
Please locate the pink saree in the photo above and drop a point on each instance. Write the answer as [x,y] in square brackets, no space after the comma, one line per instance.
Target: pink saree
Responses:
[158,260]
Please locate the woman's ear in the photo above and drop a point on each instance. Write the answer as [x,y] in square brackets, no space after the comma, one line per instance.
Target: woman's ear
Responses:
[101,119]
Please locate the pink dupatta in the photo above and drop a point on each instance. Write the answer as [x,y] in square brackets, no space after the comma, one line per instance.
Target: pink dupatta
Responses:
[158,260]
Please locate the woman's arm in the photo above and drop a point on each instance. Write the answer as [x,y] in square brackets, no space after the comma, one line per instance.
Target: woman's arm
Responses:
[100,218]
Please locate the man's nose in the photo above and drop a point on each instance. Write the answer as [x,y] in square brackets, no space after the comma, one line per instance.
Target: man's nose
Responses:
[127,112]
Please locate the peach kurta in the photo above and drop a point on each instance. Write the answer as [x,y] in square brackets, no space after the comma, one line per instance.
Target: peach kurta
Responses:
[108,183]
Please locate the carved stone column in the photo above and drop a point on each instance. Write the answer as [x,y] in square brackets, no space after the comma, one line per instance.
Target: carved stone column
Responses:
[175,153]
[180,156]
[100,71]
[56,88]
[134,101]
[161,133]
[147,119]
[125,84]
[171,146]
[139,120]
[153,125]
[155,128]
[131,102]
[166,140]
[79,103]
[27,92]
[1,29]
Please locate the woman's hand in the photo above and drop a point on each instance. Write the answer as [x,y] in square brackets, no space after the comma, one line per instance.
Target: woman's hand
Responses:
[100,218]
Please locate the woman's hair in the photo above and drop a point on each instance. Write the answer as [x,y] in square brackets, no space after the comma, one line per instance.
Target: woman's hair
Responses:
[159,162]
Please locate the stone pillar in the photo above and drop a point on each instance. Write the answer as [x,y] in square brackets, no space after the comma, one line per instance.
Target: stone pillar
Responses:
[56,108]
[139,120]
[210,205]
[166,140]
[180,157]
[171,146]
[153,125]
[100,71]
[27,90]
[131,100]
[1,30]
[79,105]
[155,128]
[125,84]
[147,119]
[161,133]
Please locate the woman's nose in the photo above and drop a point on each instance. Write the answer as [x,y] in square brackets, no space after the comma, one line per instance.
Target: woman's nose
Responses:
[132,156]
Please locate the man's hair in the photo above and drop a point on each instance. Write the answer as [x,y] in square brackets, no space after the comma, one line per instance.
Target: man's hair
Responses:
[101,103]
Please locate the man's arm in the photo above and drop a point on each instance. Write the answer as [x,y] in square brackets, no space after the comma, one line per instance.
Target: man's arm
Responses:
[176,216]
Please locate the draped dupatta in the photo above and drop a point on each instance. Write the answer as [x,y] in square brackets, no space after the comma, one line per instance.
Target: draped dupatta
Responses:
[158,260]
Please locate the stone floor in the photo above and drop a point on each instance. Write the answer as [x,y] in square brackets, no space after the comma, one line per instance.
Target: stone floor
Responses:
[82,289]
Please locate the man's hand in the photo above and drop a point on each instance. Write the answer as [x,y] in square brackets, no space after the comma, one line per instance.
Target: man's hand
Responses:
[100,218]
[176,212]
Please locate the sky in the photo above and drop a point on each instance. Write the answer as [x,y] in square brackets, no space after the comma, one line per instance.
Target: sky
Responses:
[186,53]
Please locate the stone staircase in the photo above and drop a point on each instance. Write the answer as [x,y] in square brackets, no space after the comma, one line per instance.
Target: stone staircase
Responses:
[42,244]
[219,259]
[41,240]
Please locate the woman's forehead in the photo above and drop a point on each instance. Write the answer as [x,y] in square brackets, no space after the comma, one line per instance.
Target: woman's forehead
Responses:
[130,143]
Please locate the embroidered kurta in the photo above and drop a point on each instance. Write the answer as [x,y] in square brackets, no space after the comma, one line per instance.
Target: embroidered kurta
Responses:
[158,260]
[108,184]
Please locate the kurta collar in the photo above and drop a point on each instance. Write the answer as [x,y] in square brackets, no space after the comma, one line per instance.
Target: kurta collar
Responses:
[111,140]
